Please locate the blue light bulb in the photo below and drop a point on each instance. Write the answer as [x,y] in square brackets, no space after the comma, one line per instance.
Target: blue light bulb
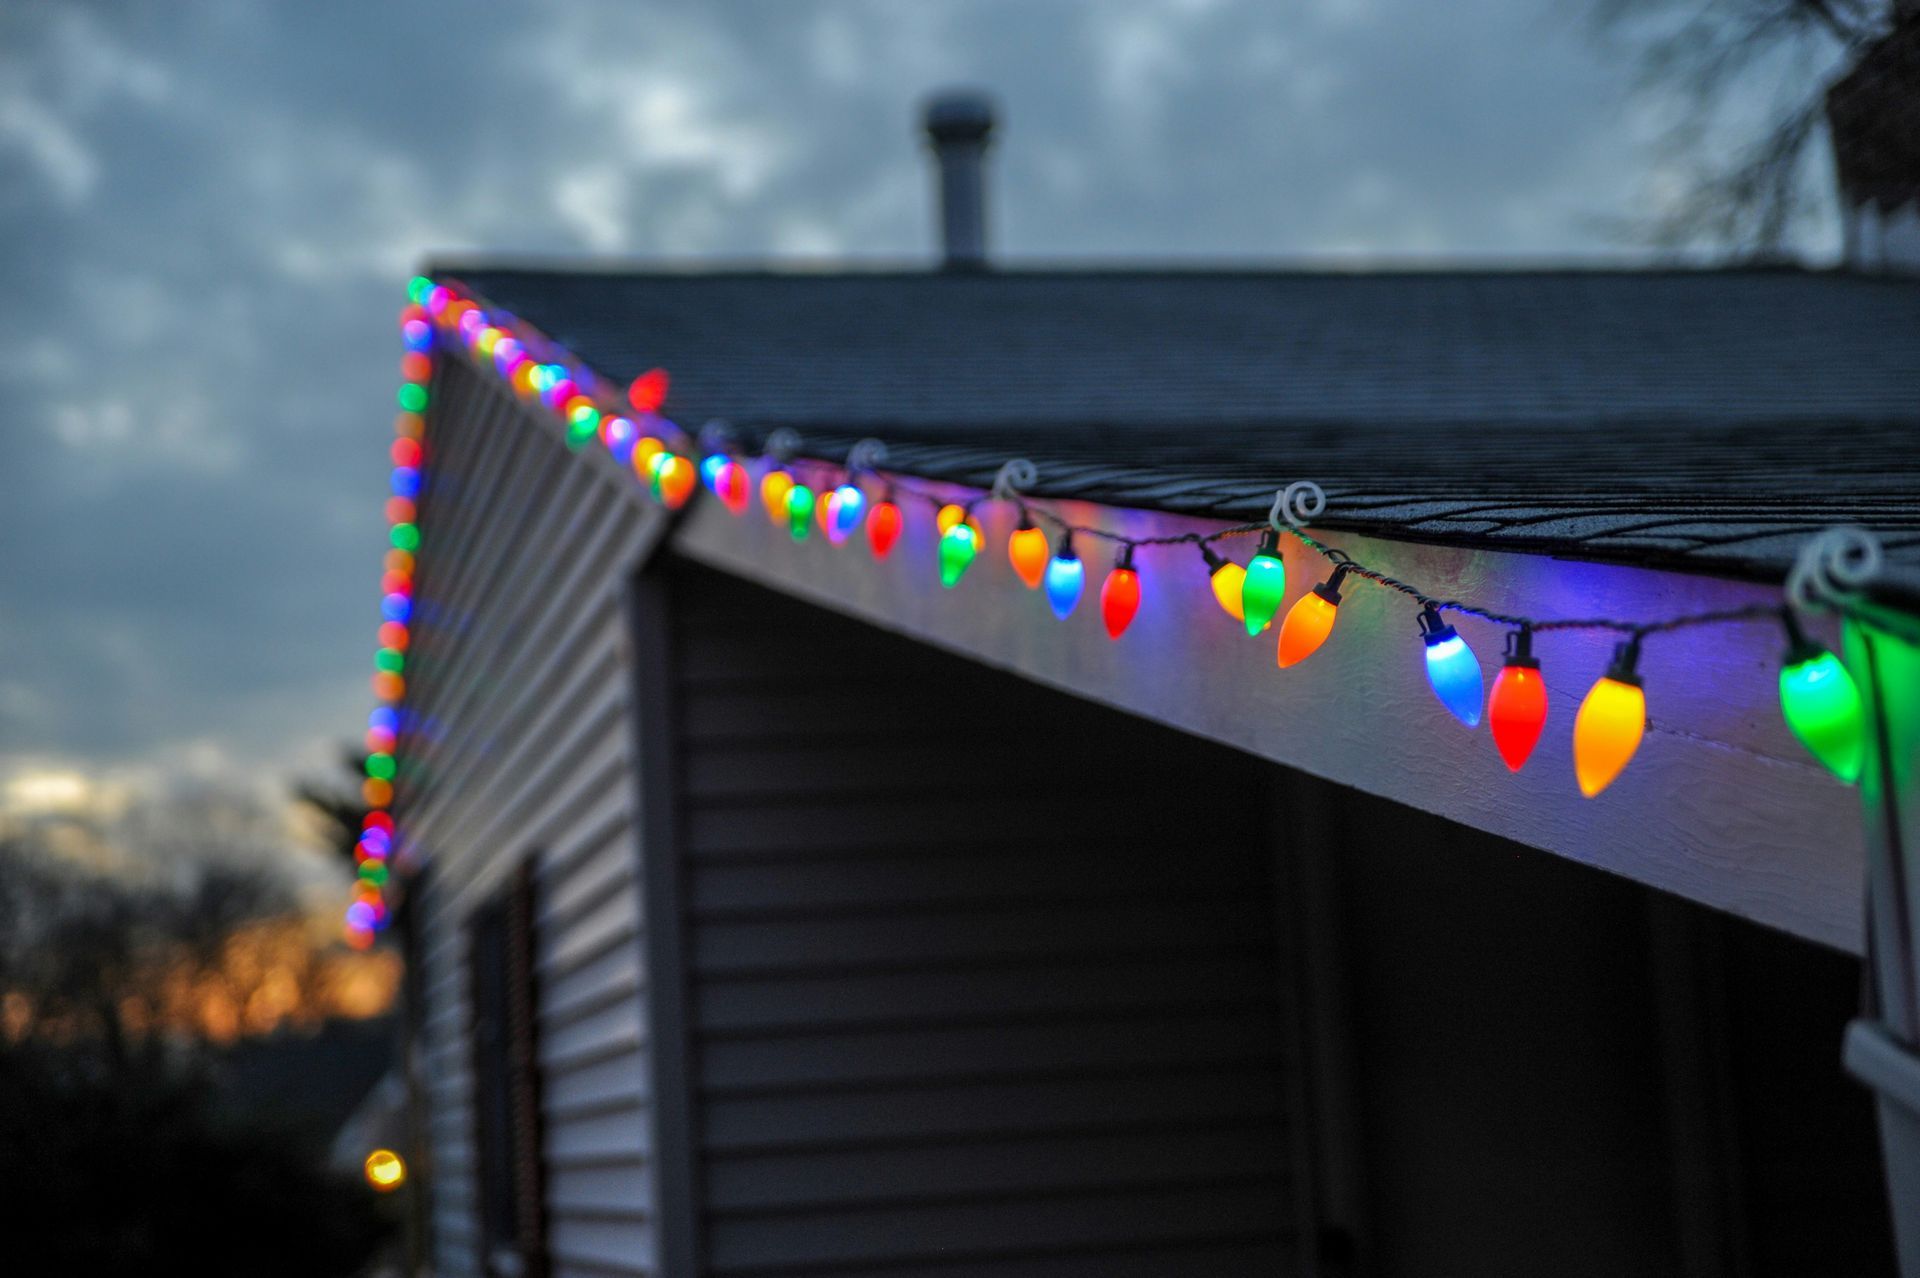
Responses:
[1066,577]
[848,509]
[710,469]
[405,481]
[396,607]
[1452,668]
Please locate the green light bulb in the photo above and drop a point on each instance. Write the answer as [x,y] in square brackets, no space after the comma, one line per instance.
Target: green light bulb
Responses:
[1265,585]
[418,287]
[800,502]
[958,546]
[390,659]
[1822,706]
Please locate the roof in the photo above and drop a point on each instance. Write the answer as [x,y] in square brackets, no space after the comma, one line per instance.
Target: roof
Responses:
[1705,419]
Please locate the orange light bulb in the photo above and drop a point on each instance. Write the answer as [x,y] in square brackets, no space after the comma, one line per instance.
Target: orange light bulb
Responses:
[1027,550]
[1611,722]
[1310,621]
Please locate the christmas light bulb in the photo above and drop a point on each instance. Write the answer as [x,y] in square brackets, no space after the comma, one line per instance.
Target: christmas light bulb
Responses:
[774,486]
[883,528]
[731,486]
[950,514]
[649,390]
[1226,577]
[958,546]
[1066,578]
[645,450]
[619,435]
[1027,550]
[1264,585]
[849,508]
[1452,668]
[1611,722]
[1517,708]
[1822,705]
[1120,595]
[710,470]
[1310,620]
[675,480]
[800,504]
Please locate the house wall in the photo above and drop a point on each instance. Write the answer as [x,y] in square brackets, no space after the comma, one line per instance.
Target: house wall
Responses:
[969,987]
[521,749]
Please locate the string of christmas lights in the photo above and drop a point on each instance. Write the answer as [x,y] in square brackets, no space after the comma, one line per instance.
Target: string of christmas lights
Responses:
[855,499]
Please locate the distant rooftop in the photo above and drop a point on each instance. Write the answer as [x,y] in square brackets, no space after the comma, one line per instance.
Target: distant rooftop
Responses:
[1706,420]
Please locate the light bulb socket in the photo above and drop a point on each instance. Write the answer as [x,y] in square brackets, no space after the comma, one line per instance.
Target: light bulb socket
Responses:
[1026,520]
[1269,543]
[1800,649]
[1626,662]
[1124,561]
[1063,549]
[1433,627]
[1215,562]
[1520,649]
[1329,589]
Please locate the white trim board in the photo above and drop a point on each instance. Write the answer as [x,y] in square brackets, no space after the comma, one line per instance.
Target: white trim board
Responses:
[1721,805]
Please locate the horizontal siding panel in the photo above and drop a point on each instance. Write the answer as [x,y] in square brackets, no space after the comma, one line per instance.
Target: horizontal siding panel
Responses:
[616,917]
[608,1134]
[583,1192]
[623,1246]
[592,985]
[1258,1257]
[806,826]
[594,1038]
[946,1111]
[1067,929]
[933,1170]
[1003,1227]
[959,997]
[920,883]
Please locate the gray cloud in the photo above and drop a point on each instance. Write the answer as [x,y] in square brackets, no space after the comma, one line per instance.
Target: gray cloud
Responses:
[208,209]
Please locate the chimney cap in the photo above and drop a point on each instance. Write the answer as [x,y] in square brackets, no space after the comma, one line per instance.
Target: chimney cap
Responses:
[959,115]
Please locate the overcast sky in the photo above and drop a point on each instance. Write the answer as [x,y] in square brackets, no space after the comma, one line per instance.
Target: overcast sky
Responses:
[208,211]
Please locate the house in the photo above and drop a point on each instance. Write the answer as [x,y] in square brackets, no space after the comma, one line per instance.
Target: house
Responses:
[790,889]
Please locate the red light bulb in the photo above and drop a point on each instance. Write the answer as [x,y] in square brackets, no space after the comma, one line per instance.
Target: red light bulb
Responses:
[731,486]
[883,527]
[1120,595]
[649,390]
[1517,709]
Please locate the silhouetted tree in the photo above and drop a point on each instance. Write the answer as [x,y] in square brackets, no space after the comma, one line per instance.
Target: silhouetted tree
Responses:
[1771,58]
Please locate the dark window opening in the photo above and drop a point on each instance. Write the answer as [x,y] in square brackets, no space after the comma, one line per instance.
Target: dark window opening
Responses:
[507,1082]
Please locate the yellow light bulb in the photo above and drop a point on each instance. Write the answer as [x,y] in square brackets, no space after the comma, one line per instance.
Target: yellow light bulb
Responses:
[1610,724]
[1227,581]
[774,488]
